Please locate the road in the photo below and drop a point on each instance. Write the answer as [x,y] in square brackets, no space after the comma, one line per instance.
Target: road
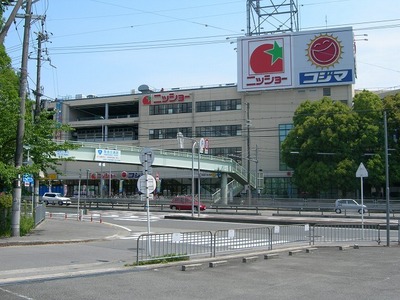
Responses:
[327,273]
[369,272]
[136,221]
[120,249]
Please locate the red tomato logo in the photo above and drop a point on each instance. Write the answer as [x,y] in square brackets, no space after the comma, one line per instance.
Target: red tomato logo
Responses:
[267,58]
[146,100]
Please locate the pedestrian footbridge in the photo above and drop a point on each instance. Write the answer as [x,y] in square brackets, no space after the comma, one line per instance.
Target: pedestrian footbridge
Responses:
[86,151]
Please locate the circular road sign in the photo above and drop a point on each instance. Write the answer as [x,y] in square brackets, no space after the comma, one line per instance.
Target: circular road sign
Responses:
[146,154]
[150,182]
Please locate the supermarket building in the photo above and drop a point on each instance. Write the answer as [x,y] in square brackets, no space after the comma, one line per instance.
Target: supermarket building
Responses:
[245,121]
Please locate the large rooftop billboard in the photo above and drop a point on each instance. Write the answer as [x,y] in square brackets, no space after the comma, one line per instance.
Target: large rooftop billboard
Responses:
[296,60]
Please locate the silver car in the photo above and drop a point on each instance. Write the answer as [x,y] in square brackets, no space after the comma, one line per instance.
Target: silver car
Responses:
[55,198]
[349,204]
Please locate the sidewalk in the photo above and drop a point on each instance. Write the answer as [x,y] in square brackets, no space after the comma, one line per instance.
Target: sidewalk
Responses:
[58,231]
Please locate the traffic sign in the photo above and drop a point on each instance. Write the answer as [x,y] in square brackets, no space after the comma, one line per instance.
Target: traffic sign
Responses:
[202,144]
[146,181]
[146,156]
[361,171]
[27,178]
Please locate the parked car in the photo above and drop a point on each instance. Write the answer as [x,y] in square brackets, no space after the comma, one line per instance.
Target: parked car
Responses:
[349,204]
[185,203]
[55,198]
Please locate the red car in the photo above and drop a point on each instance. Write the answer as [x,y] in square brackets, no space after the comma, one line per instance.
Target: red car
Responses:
[185,203]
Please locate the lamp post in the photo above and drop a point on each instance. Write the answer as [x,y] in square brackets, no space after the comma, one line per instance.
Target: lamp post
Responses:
[87,188]
[387,181]
[101,178]
[181,139]
[79,195]
[109,183]
[104,130]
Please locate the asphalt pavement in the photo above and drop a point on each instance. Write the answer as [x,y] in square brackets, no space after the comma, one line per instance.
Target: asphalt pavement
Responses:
[60,230]
[53,233]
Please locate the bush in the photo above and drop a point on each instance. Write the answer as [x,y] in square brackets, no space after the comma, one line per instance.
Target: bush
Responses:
[5,214]
[26,225]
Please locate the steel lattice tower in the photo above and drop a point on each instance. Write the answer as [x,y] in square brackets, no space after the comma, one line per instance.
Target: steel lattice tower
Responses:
[266,17]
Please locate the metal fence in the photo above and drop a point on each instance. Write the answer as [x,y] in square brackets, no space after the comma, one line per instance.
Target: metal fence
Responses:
[321,233]
[242,239]
[288,234]
[222,242]
[180,244]
[40,213]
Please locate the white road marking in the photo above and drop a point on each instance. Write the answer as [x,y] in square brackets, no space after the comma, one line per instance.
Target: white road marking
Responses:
[16,294]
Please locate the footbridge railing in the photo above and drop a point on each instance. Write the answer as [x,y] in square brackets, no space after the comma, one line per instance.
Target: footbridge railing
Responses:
[86,151]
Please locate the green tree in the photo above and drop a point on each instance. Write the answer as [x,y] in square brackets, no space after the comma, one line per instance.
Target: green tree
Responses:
[9,111]
[38,136]
[330,139]
[392,106]
[370,137]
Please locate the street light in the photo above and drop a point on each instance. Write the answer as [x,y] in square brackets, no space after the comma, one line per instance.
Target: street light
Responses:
[181,138]
[104,130]
[79,195]
[101,178]
[87,188]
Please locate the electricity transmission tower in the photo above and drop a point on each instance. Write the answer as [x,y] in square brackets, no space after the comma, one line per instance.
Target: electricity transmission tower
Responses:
[272,16]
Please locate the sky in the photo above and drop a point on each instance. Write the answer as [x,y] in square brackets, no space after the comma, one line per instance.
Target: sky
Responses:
[111,47]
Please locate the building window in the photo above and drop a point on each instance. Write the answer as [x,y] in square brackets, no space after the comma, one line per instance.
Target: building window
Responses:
[283,132]
[326,92]
[281,187]
[219,131]
[168,133]
[225,152]
[168,109]
[218,105]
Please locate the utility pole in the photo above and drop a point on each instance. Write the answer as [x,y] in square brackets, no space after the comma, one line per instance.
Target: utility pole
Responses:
[248,124]
[16,205]
[42,37]
[9,21]
[387,193]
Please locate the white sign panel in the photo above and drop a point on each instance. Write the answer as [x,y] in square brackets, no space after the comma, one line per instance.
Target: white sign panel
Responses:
[107,155]
[296,60]
[146,181]
[265,62]
[323,57]
[62,153]
[176,237]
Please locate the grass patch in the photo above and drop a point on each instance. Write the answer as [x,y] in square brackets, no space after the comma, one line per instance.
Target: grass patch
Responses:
[26,225]
[161,260]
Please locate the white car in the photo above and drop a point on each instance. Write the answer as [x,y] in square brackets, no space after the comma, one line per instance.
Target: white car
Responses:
[55,198]
[349,204]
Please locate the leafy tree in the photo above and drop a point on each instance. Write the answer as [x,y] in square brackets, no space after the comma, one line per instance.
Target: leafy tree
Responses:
[392,107]
[319,147]
[329,140]
[9,111]
[370,138]
[39,132]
